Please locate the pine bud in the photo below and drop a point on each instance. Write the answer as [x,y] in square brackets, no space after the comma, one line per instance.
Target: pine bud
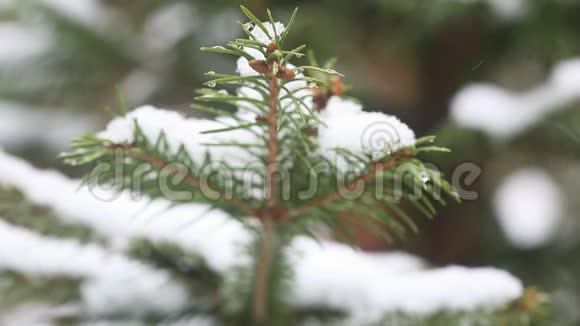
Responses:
[271,47]
[261,119]
[337,87]
[260,66]
[406,154]
[286,74]
[319,98]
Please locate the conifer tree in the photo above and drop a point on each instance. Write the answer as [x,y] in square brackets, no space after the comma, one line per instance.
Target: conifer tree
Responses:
[287,156]
[277,132]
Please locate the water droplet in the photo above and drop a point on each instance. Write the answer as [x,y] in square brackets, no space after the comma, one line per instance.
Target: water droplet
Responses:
[425,177]
[210,73]
[211,84]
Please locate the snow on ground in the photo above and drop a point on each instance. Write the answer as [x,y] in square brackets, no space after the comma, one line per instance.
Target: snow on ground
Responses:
[502,114]
[529,206]
[327,273]
[19,126]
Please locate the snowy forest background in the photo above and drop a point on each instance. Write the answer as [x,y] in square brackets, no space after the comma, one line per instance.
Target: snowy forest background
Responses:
[498,82]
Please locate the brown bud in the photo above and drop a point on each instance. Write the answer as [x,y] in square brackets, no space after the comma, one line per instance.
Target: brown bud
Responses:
[272,47]
[319,98]
[285,73]
[337,87]
[261,119]
[260,66]
[406,154]
[529,302]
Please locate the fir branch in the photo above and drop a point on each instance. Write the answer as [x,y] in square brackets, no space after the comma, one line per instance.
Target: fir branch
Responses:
[193,181]
[365,178]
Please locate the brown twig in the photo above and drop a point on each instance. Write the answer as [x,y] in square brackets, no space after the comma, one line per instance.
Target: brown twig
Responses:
[271,212]
[377,167]
[194,182]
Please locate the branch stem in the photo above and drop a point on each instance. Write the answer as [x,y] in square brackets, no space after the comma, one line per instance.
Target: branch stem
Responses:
[376,169]
[193,181]
[264,266]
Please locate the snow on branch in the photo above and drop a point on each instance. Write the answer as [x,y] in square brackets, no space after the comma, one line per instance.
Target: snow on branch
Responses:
[327,273]
[529,224]
[501,113]
[113,282]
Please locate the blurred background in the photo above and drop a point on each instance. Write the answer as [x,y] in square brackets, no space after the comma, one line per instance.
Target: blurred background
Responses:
[497,81]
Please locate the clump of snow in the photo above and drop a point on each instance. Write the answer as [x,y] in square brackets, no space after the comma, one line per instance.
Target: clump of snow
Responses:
[89,12]
[261,36]
[114,283]
[367,133]
[364,284]
[528,205]
[36,314]
[371,285]
[503,114]
[508,9]
[494,110]
[180,130]
[16,120]
[20,43]
[565,79]
[505,9]
[169,25]
[345,125]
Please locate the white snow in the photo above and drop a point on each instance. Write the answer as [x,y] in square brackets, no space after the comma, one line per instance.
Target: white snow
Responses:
[187,131]
[114,283]
[89,12]
[261,36]
[21,43]
[370,133]
[503,114]
[36,314]
[169,25]
[528,206]
[327,273]
[119,216]
[345,126]
[508,9]
[17,123]
[504,9]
